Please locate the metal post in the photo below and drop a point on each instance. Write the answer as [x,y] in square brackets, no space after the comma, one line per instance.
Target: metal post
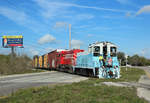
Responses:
[126,61]
[120,62]
[69,36]
[12,52]
[126,64]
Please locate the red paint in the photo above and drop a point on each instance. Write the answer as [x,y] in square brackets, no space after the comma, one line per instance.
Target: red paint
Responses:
[63,57]
[15,45]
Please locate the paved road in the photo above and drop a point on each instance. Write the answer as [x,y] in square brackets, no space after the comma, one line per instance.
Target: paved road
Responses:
[147,70]
[9,84]
[144,90]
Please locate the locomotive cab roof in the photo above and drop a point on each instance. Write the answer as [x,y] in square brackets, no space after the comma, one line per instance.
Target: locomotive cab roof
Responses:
[102,47]
[102,44]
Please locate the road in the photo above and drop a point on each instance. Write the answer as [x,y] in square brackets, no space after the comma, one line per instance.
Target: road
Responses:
[145,80]
[12,83]
[147,70]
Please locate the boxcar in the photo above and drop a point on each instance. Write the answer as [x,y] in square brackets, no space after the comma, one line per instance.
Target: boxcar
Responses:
[52,59]
[62,60]
[40,62]
[35,61]
[45,65]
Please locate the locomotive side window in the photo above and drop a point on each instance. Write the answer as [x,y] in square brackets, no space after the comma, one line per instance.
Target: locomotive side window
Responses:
[113,51]
[96,51]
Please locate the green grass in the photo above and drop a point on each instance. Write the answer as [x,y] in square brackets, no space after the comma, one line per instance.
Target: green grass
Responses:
[131,75]
[82,92]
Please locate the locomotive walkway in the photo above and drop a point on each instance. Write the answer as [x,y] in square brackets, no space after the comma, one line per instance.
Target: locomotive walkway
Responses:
[12,83]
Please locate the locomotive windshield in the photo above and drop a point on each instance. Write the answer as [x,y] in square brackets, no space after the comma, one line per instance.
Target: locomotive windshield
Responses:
[96,51]
[113,51]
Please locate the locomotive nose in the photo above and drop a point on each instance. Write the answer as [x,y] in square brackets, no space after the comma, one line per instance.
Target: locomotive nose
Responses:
[109,61]
[110,73]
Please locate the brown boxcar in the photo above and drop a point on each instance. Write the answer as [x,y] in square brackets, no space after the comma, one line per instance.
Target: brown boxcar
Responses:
[52,60]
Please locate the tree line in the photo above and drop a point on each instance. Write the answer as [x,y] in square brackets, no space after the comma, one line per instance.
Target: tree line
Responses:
[134,60]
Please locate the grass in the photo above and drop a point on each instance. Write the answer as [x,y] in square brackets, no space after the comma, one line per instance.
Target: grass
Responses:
[129,75]
[82,92]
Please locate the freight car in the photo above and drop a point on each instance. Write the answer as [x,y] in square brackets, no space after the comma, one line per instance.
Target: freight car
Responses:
[100,61]
[58,59]
[62,59]
[35,61]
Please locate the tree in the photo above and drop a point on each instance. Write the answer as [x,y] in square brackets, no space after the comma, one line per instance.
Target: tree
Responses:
[121,56]
[137,60]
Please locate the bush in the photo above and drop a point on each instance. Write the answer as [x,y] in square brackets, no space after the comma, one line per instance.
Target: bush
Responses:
[136,60]
[14,65]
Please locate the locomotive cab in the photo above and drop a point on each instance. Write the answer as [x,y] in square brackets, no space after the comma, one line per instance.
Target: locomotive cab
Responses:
[96,49]
[106,54]
[103,49]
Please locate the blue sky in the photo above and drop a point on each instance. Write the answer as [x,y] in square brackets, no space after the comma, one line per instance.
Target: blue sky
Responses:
[44,24]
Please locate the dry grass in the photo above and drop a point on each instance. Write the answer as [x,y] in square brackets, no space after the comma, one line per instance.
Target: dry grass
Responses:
[17,65]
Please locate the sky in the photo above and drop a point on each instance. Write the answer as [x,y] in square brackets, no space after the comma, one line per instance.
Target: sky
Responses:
[44,24]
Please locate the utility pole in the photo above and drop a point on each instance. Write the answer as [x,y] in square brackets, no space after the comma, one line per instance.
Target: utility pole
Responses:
[120,62]
[70,36]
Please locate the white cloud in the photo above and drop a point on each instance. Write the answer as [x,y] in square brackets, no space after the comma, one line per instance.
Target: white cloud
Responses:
[13,15]
[33,51]
[83,26]
[84,16]
[145,9]
[123,1]
[21,18]
[145,52]
[47,39]
[76,43]
[90,35]
[51,9]
[128,14]
[101,28]
[60,24]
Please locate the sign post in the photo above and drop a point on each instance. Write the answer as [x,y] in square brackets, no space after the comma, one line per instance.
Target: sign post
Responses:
[12,42]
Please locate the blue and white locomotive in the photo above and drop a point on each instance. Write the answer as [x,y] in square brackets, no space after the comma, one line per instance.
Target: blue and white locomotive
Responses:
[100,61]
